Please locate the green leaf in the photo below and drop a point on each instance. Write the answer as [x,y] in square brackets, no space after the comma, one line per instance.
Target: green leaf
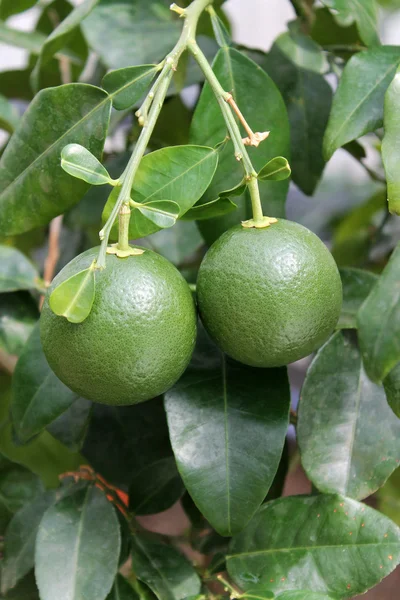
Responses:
[122,590]
[167,573]
[388,498]
[19,546]
[379,322]
[308,99]
[39,397]
[18,486]
[356,284]
[44,456]
[358,103]
[264,111]
[122,441]
[301,50]
[74,297]
[327,33]
[60,36]
[337,545]
[76,558]
[391,144]
[71,426]
[156,487]
[213,422]
[177,243]
[349,438]
[180,174]
[162,213]
[362,12]
[128,85]
[220,31]
[79,162]
[16,271]
[9,116]
[209,210]
[34,188]
[391,383]
[13,7]
[18,315]
[305,595]
[276,169]
[28,40]
[136,33]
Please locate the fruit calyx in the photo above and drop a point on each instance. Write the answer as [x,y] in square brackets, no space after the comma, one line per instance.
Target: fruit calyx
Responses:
[259,223]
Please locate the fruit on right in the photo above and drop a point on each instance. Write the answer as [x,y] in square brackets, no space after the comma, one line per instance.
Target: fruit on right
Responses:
[269,296]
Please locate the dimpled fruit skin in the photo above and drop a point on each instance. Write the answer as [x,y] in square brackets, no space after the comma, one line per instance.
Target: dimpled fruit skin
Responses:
[138,338]
[271,296]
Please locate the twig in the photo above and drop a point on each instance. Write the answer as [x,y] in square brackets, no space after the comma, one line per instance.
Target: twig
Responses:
[7,362]
[53,253]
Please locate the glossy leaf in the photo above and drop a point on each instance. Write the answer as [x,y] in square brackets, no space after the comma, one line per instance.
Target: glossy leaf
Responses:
[302,50]
[328,33]
[71,426]
[209,210]
[308,99]
[79,162]
[18,315]
[39,397]
[357,284]
[358,103]
[162,213]
[26,589]
[391,143]
[391,383]
[122,590]
[121,441]
[264,111]
[333,544]
[167,573]
[276,169]
[388,498]
[305,595]
[8,114]
[128,85]
[60,37]
[34,188]
[180,174]
[136,33]
[156,487]
[16,271]
[363,13]
[77,547]
[74,297]
[349,438]
[19,543]
[379,322]
[213,422]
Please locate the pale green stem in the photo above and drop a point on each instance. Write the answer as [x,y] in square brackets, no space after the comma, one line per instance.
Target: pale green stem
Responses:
[240,149]
[191,15]
[123,220]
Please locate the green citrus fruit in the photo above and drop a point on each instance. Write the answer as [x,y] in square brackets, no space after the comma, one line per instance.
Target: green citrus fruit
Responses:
[138,338]
[271,296]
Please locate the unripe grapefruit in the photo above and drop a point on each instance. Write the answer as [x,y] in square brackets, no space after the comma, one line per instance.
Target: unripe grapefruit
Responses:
[138,338]
[271,296]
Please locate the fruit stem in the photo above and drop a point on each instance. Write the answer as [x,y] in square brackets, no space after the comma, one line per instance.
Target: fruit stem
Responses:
[191,15]
[224,100]
[123,232]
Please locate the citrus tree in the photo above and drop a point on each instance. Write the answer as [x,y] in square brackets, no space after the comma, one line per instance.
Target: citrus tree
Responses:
[153,368]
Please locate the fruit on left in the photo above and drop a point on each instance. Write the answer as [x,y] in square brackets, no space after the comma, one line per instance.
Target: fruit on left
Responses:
[138,338]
